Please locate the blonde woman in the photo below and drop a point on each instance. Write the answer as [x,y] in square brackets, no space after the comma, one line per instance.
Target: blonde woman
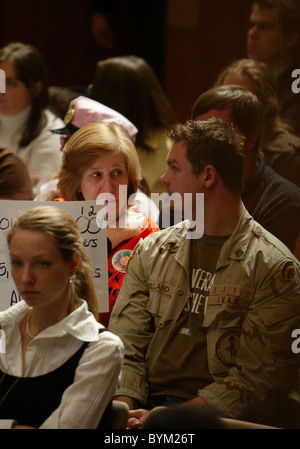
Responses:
[59,370]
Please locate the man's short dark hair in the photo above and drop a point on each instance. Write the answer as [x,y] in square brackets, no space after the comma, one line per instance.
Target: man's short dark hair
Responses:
[246,110]
[288,12]
[213,142]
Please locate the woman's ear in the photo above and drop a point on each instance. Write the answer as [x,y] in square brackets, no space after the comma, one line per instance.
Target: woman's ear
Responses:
[37,88]
[75,262]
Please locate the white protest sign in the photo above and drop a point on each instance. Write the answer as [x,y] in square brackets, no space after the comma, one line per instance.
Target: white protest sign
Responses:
[94,243]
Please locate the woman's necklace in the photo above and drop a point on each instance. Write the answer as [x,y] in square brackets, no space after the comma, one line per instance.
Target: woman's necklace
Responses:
[27,325]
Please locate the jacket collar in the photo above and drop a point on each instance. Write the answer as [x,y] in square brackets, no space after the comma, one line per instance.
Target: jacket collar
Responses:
[237,244]
[234,248]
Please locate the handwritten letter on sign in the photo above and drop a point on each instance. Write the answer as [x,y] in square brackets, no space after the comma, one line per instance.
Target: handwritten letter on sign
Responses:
[93,237]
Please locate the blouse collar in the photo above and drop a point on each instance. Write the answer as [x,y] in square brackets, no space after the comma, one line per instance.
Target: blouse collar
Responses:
[81,323]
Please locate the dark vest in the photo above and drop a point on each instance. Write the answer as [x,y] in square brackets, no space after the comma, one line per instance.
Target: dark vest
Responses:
[31,400]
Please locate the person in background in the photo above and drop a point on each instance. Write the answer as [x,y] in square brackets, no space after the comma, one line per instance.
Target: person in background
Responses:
[25,121]
[15,183]
[274,38]
[280,147]
[101,159]
[60,99]
[128,85]
[60,370]
[206,318]
[82,111]
[273,201]
[125,27]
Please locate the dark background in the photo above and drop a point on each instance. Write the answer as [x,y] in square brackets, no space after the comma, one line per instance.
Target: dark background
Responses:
[187,42]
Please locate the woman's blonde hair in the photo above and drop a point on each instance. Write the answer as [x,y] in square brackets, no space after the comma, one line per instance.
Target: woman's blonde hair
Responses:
[87,145]
[63,231]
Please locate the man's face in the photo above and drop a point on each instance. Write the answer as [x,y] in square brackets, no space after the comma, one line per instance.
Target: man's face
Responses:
[241,80]
[266,41]
[224,114]
[179,177]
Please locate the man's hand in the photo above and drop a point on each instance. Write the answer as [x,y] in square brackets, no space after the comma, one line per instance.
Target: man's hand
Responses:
[137,418]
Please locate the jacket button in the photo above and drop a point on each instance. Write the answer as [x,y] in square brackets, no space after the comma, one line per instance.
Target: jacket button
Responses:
[161,324]
[179,291]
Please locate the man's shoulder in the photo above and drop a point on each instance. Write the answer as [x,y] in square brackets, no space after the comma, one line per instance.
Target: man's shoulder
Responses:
[176,232]
[267,185]
[278,184]
[162,243]
[255,239]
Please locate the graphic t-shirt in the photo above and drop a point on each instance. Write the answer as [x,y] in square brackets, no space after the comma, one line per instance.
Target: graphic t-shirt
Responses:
[182,367]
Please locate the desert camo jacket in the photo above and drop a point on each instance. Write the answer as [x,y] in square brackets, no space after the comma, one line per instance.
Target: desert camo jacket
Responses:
[253,307]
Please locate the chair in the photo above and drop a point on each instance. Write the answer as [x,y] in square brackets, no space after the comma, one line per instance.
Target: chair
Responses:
[115,416]
[182,417]
[236,424]
[194,418]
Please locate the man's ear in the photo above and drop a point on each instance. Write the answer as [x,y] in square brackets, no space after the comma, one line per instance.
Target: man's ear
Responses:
[210,176]
[251,141]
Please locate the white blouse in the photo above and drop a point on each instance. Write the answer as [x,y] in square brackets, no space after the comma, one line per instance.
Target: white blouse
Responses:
[97,374]
[43,154]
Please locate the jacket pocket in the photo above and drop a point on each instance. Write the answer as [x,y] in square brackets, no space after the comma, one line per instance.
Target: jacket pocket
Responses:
[275,313]
[158,305]
[224,324]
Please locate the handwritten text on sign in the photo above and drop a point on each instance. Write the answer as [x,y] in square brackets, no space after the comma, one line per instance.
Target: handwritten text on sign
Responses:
[93,237]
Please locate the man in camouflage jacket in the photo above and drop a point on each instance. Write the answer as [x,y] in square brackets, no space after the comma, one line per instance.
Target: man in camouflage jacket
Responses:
[251,310]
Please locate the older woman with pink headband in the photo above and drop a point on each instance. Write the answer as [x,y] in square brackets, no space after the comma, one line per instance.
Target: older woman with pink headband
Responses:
[99,158]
